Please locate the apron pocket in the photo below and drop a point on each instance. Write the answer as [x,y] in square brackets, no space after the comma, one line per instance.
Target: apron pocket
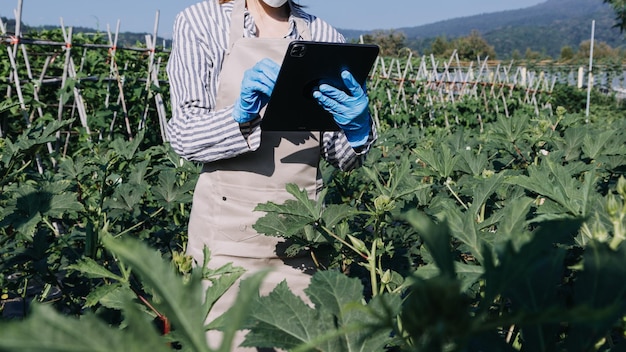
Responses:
[236,210]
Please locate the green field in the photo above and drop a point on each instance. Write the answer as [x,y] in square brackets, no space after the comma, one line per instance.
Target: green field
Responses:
[476,224]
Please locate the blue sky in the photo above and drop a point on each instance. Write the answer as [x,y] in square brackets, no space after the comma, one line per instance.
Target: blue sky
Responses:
[140,15]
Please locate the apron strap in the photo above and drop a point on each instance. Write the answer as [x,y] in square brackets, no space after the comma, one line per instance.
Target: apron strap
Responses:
[237,24]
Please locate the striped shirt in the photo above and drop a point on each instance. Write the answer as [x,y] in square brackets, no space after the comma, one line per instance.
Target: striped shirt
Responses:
[197,130]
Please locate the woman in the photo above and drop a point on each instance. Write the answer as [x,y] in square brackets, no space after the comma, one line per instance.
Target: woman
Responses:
[224,62]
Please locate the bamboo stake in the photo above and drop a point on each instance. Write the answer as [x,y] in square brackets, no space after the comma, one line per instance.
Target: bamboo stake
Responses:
[375,69]
[151,45]
[383,69]
[122,100]
[590,77]
[62,94]
[403,76]
[37,87]
[422,73]
[112,53]
[466,79]
[142,122]
[114,75]
[12,51]
[70,71]
[160,105]
[3,31]
[29,73]
[18,22]
[78,99]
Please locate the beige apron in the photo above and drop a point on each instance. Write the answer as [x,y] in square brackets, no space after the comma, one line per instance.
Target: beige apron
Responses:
[228,190]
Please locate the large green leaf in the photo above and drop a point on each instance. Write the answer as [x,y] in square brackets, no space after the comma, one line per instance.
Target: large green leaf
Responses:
[395,181]
[220,279]
[124,200]
[178,300]
[283,320]
[441,160]
[483,191]
[594,144]
[339,320]
[303,220]
[510,130]
[127,149]
[169,192]
[535,258]
[35,137]
[139,172]
[463,226]
[237,315]
[112,296]
[571,143]
[437,239]
[601,285]
[467,274]
[92,269]
[48,331]
[76,168]
[30,205]
[553,180]
[472,163]
[434,313]
[515,218]
[529,278]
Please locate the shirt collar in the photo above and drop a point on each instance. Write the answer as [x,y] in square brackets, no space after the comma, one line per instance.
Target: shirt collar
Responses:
[251,31]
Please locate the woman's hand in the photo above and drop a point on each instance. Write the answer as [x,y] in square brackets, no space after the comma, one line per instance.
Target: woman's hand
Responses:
[256,88]
[350,111]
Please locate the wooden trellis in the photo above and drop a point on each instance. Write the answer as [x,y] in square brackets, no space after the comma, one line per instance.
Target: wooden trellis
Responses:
[408,81]
[447,82]
[71,71]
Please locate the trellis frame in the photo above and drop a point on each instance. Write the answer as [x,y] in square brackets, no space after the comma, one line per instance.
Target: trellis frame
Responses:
[438,81]
[70,70]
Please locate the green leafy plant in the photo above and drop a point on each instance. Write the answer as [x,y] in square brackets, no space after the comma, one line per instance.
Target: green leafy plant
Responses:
[171,296]
[482,223]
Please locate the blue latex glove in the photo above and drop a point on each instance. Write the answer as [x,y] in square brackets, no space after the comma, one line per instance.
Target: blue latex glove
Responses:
[350,111]
[256,88]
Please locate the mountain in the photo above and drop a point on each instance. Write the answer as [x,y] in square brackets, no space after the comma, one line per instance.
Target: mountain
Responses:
[545,28]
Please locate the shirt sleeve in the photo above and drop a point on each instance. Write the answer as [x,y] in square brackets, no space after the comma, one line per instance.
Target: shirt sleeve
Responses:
[338,152]
[196,130]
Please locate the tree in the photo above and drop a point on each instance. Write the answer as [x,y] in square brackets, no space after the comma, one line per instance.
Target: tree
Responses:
[619,6]
[567,53]
[601,51]
[516,55]
[441,46]
[391,42]
[532,55]
[473,46]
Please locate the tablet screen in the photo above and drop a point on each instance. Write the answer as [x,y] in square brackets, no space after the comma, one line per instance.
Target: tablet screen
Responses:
[305,66]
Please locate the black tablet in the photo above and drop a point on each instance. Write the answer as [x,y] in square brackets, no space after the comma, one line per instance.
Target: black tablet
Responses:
[305,66]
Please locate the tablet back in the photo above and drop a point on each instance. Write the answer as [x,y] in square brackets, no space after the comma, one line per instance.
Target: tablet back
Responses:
[305,66]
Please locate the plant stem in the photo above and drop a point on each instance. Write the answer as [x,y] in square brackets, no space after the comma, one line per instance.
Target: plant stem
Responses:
[344,242]
[618,233]
[139,223]
[456,196]
[371,262]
